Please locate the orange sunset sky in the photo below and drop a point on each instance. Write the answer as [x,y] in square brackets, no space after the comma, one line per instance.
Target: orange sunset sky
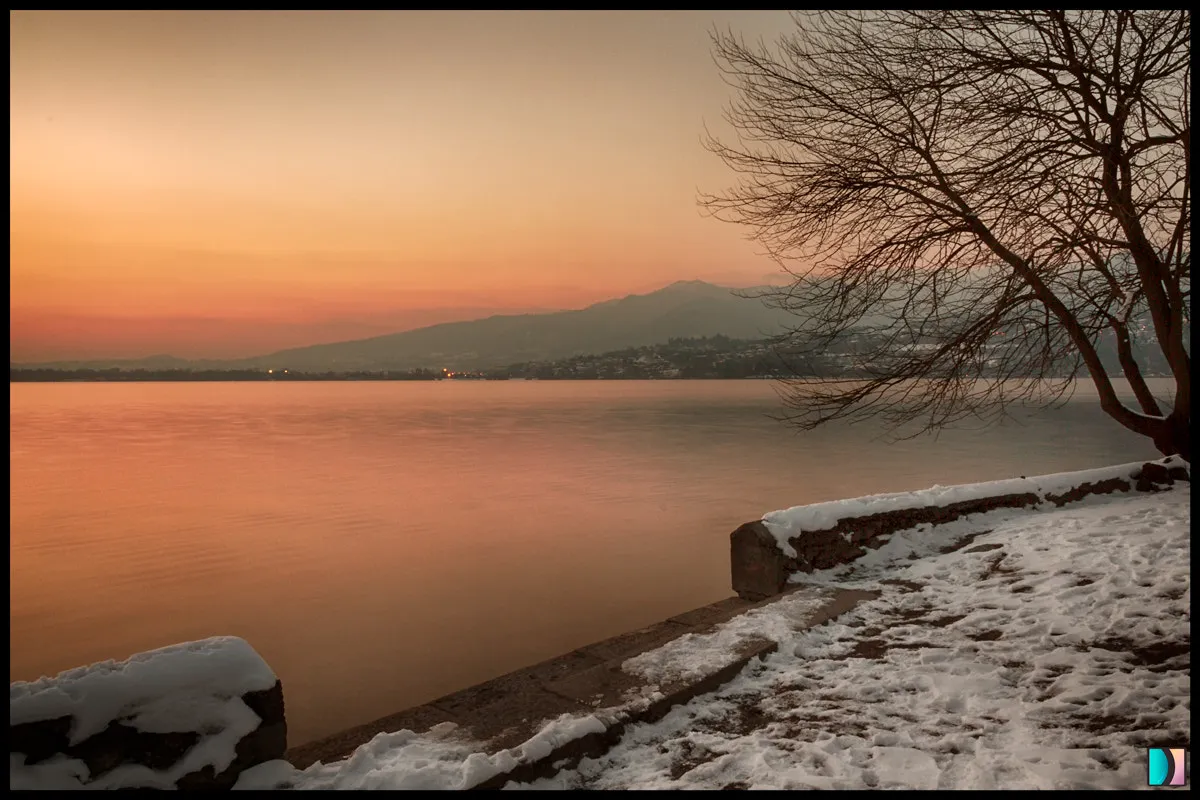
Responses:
[222,184]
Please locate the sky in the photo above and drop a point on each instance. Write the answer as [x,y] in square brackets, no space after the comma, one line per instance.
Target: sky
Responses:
[223,184]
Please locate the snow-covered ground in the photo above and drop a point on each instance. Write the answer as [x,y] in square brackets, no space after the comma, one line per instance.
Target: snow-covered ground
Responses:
[1047,653]
[439,759]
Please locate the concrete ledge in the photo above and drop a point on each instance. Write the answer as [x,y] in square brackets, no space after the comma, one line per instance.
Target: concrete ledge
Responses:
[507,711]
[760,569]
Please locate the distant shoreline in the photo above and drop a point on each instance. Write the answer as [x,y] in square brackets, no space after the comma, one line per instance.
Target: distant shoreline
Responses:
[322,379]
[702,358]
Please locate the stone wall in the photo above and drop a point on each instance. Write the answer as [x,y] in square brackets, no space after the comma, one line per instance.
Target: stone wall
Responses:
[761,569]
[120,744]
[127,752]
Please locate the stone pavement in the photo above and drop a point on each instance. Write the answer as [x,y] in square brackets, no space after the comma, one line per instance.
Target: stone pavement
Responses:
[508,710]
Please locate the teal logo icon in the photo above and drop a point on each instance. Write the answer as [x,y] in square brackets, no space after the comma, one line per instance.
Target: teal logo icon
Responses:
[1166,766]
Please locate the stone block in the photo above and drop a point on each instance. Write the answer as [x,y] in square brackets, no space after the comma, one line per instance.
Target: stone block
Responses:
[759,568]
[121,744]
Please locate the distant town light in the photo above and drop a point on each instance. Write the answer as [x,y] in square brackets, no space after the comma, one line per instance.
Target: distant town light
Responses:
[270,372]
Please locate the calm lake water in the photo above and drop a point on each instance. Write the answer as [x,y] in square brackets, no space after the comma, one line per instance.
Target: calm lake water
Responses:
[382,544]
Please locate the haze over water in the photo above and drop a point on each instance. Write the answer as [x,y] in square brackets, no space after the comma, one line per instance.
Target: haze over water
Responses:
[382,544]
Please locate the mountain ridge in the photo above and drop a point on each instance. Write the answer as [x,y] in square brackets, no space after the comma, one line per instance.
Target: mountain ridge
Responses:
[688,308]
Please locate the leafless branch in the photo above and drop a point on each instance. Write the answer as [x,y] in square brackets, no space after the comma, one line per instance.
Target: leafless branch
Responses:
[967,203]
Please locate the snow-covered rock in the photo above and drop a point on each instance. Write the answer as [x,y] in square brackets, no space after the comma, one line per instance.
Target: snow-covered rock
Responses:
[764,553]
[793,522]
[192,715]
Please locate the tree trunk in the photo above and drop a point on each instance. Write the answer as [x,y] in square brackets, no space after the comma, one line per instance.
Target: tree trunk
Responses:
[1175,437]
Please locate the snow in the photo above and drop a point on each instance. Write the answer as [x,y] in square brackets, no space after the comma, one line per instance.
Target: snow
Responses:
[1046,654]
[195,686]
[792,522]
[58,772]
[438,759]
[100,693]
[1150,417]
[1127,305]
[267,775]
[566,728]
[695,655]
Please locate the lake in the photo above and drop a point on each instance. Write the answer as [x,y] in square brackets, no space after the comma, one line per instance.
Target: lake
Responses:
[385,543]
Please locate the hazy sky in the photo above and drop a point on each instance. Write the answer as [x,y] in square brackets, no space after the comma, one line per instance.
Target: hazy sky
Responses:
[228,183]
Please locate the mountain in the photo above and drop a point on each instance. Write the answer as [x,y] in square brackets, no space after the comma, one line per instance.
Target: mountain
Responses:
[683,309]
[687,309]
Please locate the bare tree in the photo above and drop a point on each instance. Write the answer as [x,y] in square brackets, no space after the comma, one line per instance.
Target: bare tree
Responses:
[990,194]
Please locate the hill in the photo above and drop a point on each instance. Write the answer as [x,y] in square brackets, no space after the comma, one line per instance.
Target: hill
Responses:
[686,309]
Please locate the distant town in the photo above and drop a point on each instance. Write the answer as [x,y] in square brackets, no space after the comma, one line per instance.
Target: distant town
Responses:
[707,357]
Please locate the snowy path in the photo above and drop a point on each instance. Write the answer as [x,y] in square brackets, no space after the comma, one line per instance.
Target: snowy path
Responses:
[1047,653]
